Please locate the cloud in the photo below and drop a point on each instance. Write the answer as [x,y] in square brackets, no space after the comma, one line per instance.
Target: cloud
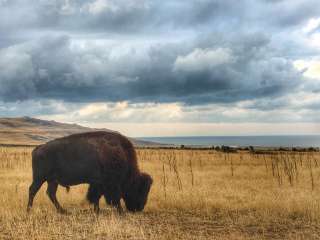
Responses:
[194,54]
[310,68]
[55,68]
[271,111]
[312,25]
[125,112]
[16,66]
[203,59]
[114,7]
[152,16]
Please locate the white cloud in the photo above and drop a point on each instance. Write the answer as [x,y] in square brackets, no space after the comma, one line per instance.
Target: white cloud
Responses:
[315,40]
[92,109]
[121,112]
[300,107]
[203,59]
[299,115]
[67,8]
[312,24]
[311,68]
[209,129]
[174,119]
[114,6]
[309,33]
[100,6]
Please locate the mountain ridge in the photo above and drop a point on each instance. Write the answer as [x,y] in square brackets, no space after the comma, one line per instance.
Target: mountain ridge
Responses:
[30,131]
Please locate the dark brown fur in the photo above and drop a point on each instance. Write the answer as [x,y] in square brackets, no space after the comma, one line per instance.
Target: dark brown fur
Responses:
[107,161]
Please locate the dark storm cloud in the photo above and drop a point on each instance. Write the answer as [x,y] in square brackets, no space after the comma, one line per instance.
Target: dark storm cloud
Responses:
[228,51]
[50,68]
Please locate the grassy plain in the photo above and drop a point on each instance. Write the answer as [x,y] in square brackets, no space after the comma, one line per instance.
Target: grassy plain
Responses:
[197,194]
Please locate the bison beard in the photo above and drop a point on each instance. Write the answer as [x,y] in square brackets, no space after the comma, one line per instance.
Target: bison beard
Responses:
[106,161]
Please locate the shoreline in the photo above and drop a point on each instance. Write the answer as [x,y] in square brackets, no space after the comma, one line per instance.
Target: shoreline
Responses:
[218,148]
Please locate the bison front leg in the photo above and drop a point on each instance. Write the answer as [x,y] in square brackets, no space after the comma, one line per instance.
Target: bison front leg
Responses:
[94,194]
[113,196]
[52,191]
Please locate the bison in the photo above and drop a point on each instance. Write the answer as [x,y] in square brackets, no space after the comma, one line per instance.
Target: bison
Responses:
[105,160]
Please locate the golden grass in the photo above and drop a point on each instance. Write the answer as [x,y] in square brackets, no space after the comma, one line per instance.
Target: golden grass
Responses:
[196,195]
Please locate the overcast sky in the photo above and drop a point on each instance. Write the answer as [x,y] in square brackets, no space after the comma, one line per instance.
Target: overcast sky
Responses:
[160,68]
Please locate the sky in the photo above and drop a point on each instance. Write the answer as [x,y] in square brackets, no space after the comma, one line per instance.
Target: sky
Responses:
[164,68]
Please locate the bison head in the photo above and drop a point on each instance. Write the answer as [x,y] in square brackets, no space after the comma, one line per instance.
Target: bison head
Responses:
[137,194]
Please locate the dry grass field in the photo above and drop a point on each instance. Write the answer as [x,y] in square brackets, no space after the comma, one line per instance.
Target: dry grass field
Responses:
[197,194]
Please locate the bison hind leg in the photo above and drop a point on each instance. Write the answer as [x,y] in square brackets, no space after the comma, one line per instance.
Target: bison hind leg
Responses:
[33,189]
[52,191]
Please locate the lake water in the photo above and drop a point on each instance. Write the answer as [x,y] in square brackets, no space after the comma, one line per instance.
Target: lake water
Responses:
[242,141]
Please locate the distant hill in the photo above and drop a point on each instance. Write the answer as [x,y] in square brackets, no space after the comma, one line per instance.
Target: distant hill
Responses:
[32,131]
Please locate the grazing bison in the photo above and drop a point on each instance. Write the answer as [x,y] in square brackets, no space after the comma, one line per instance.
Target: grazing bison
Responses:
[105,160]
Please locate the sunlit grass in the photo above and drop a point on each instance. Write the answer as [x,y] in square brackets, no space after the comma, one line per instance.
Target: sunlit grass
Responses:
[197,194]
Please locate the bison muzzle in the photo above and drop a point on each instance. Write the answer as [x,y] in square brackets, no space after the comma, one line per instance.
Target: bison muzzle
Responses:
[105,160]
